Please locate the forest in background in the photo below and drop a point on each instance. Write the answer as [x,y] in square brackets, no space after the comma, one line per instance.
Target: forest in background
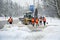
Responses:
[10,8]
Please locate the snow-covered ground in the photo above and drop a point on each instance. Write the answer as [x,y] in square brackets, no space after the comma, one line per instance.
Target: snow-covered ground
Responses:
[22,32]
[3,21]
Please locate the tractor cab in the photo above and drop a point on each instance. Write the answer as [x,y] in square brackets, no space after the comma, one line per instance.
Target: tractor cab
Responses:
[27,17]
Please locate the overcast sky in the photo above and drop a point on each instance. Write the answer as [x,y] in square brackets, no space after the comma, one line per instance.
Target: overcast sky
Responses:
[26,2]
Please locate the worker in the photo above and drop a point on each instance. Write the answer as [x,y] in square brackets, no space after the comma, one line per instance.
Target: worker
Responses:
[37,22]
[32,21]
[44,21]
[10,20]
[40,20]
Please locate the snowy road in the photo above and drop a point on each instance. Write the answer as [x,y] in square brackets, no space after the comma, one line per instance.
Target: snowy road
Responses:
[22,32]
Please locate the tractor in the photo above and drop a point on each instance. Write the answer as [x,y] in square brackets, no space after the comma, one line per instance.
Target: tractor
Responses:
[27,18]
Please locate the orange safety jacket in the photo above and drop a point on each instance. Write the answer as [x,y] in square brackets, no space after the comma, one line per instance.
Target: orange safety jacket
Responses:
[44,19]
[36,21]
[10,20]
[32,20]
